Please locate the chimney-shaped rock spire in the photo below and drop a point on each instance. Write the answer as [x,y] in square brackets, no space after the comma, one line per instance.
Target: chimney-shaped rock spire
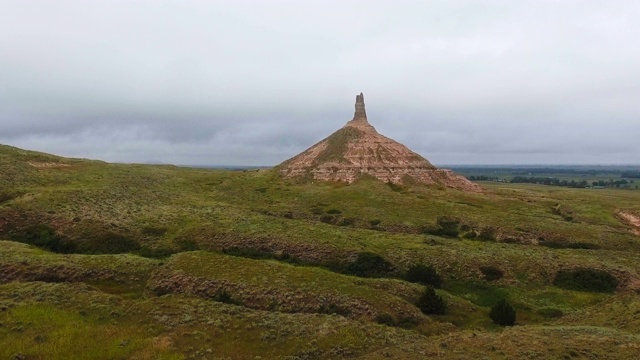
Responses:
[360,113]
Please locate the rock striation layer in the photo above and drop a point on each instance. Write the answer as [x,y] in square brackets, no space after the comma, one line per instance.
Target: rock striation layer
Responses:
[358,149]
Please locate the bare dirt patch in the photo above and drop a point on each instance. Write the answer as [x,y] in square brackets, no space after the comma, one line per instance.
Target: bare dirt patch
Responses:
[631,219]
[47,165]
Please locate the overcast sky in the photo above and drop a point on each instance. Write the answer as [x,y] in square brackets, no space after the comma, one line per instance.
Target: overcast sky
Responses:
[256,82]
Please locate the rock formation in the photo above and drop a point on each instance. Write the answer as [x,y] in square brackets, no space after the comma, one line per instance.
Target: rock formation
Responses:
[357,149]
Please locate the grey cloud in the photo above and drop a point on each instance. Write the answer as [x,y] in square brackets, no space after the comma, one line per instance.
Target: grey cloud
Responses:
[247,82]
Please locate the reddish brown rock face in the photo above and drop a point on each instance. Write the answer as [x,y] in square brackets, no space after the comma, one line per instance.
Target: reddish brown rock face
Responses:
[359,149]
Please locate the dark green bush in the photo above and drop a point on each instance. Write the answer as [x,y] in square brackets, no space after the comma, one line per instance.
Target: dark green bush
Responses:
[487,234]
[187,245]
[333,308]
[44,237]
[470,235]
[154,230]
[394,187]
[491,273]
[153,253]
[385,319]
[423,274]
[7,196]
[224,297]
[569,245]
[445,226]
[252,253]
[327,219]
[584,279]
[431,303]
[369,264]
[108,243]
[334,211]
[502,313]
[551,313]
[375,222]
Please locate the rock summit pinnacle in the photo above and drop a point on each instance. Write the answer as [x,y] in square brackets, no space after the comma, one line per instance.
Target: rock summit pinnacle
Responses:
[360,112]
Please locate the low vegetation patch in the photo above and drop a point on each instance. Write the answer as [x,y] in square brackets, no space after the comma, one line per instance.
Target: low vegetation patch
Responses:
[252,253]
[584,279]
[502,313]
[108,243]
[491,273]
[569,245]
[371,265]
[431,303]
[45,238]
[6,196]
[423,274]
[445,226]
[154,230]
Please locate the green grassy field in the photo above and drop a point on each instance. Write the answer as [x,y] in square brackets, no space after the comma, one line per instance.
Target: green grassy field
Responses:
[110,261]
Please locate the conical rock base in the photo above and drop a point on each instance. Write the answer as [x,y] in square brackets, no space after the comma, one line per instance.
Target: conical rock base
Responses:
[357,149]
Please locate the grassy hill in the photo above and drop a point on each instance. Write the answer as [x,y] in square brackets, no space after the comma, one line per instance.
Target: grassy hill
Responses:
[171,262]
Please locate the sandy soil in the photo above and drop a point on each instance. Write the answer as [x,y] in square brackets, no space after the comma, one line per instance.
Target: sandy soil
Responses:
[633,220]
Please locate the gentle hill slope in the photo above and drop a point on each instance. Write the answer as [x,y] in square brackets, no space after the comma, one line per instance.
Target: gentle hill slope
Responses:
[142,253]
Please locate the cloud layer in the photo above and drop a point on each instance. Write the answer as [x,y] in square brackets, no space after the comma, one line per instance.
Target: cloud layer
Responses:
[254,83]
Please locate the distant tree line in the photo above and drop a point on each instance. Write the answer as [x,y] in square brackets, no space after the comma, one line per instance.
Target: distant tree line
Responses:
[540,171]
[482,178]
[571,183]
[549,181]
[631,174]
[612,183]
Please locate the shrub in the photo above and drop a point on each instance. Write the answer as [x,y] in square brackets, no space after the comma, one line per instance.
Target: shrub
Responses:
[394,187]
[108,243]
[154,253]
[585,279]
[154,230]
[7,196]
[569,245]
[224,297]
[431,303]
[445,226]
[250,253]
[375,222]
[327,219]
[470,235]
[334,211]
[502,313]
[551,313]
[46,238]
[187,245]
[491,273]
[346,222]
[487,234]
[333,308]
[423,274]
[369,264]
[385,319]
[258,254]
